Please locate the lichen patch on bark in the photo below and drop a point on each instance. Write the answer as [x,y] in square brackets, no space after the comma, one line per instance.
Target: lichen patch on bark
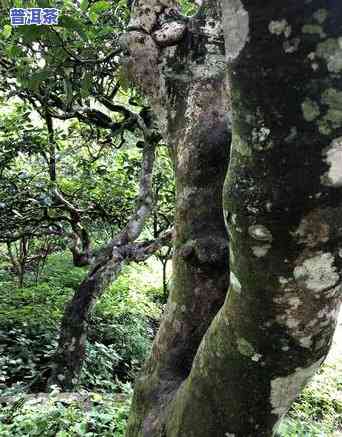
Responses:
[333,157]
[260,251]
[317,273]
[284,389]
[236,27]
[234,282]
[280,27]
[310,110]
[331,51]
[260,233]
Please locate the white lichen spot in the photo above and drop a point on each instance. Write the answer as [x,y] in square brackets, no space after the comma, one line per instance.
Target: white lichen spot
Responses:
[268,206]
[306,342]
[260,251]
[236,27]
[280,27]
[234,282]
[285,389]
[252,209]
[331,51]
[169,33]
[310,110]
[313,29]
[256,357]
[291,45]
[333,157]
[317,273]
[228,434]
[261,134]
[260,233]
[261,138]
[283,280]
[245,348]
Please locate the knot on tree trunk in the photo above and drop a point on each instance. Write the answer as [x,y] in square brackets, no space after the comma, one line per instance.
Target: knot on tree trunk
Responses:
[208,250]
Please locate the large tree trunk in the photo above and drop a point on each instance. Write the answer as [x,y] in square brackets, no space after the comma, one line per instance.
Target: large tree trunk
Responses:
[283,208]
[192,88]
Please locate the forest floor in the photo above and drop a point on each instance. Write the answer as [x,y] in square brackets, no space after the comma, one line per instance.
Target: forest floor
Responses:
[122,329]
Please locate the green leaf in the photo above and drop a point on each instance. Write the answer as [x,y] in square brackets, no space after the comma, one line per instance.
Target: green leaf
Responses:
[40,75]
[30,33]
[93,17]
[123,79]
[7,31]
[84,5]
[99,7]
[73,24]
[14,51]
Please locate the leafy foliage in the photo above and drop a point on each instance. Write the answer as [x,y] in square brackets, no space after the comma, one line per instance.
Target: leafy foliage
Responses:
[318,410]
[121,328]
[98,416]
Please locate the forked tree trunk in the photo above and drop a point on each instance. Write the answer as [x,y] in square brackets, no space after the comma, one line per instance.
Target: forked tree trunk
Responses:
[283,208]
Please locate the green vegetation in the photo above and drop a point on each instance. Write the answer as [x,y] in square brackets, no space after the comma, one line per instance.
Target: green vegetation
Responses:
[69,180]
[318,410]
[96,416]
[121,330]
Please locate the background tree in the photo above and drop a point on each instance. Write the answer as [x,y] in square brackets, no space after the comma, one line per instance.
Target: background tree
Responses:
[72,73]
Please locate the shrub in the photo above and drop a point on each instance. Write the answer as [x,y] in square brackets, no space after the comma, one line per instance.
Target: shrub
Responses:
[96,416]
[120,329]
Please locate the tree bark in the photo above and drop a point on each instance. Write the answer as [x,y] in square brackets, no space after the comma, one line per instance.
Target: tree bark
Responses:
[189,84]
[282,206]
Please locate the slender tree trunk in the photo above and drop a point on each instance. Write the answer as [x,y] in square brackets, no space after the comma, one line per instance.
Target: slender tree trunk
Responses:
[106,267]
[165,285]
[283,209]
[18,259]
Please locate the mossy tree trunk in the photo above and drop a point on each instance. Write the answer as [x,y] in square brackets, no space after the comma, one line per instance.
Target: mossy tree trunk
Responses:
[282,205]
[186,84]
